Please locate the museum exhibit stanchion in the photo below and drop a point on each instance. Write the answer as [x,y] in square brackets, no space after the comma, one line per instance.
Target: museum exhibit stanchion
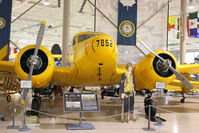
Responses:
[13,126]
[24,126]
[79,103]
[149,120]
[25,85]
[159,122]
[160,86]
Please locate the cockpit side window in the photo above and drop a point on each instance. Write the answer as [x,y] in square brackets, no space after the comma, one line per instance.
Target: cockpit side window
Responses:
[74,41]
[85,37]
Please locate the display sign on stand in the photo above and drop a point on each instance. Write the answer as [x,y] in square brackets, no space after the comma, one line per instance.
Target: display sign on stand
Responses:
[160,85]
[26,84]
[80,102]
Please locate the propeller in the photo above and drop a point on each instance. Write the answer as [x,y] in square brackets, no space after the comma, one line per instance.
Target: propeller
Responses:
[34,58]
[167,63]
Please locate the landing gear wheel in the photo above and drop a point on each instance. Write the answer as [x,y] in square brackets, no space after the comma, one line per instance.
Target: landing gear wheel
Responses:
[182,100]
[149,102]
[36,104]
[165,91]
[8,98]
[71,89]
[103,93]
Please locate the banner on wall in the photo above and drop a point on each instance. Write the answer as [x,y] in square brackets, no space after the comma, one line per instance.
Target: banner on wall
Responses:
[172,21]
[127,22]
[5,19]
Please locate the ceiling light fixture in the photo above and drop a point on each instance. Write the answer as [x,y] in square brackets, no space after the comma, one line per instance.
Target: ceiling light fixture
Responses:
[190,7]
[46,2]
[13,17]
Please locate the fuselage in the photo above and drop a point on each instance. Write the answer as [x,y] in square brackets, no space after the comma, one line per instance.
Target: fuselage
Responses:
[95,59]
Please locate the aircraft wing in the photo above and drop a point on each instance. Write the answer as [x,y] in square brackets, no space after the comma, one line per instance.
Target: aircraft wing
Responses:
[7,66]
[59,75]
[62,75]
[176,85]
[186,70]
[58,56]
[189,68]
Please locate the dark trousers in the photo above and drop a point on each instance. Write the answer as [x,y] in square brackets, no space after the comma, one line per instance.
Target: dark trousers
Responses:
[128,104]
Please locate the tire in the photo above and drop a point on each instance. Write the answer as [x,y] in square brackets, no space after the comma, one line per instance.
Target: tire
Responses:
[36,104]
[148,102]
[182,100]
[165,91]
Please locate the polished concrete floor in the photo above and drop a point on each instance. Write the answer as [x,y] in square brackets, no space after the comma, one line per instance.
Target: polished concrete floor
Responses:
[180,118]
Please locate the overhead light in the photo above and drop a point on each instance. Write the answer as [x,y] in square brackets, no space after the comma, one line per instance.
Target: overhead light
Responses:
[46,2]
[83,27]
[190,7]
[13,17]
[55,33]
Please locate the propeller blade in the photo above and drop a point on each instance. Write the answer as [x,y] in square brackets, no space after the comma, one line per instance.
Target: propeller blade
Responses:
[34,57]
[182,78]
[38,44]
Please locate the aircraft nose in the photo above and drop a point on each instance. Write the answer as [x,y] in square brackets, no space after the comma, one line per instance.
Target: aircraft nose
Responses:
[103,44]
[102,47]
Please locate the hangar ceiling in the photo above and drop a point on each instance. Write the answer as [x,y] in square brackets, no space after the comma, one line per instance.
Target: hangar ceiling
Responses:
[24,30]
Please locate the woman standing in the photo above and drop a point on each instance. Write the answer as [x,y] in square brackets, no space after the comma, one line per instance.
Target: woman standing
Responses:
[127,92]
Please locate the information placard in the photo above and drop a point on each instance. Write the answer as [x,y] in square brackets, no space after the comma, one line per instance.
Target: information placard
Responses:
[26,84]
[81,102]
[160,85]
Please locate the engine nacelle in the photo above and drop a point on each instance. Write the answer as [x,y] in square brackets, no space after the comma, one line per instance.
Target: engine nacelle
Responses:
[150,70]
[43,70]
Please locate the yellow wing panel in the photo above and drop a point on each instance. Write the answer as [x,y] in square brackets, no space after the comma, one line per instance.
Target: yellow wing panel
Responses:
[173,88]
[195,84]
[176,85]
[64,76]
[189,68]
[7,66]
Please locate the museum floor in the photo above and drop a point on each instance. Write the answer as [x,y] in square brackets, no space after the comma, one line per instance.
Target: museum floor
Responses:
[180,118]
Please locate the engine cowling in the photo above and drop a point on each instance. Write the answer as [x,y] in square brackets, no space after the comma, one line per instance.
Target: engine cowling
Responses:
[151,70]
[43,70]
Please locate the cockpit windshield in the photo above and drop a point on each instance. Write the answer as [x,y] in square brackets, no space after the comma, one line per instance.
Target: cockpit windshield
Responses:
[84,37]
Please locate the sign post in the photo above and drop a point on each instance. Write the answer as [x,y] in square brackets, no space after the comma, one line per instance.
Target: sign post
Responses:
[25,84]
[160,86]
[80,102]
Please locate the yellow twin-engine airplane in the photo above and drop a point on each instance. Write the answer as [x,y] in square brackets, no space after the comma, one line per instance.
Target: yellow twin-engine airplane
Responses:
[94,62]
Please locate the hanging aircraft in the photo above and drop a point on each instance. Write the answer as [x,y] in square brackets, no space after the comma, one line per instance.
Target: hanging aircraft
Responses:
[94,62]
